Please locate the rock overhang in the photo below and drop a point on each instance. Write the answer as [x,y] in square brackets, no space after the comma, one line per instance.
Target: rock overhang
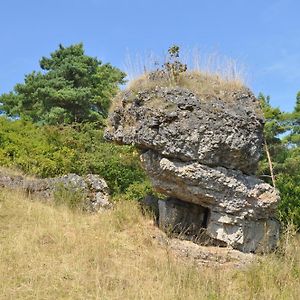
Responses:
[203,150]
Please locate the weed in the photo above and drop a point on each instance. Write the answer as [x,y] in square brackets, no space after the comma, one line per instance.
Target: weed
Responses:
[69,195]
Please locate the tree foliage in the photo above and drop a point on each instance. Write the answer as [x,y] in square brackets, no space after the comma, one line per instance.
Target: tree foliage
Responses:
[282,132]
[71,87]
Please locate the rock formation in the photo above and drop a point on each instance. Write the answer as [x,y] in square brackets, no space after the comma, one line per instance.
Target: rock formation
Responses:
[202,152]
[94,189]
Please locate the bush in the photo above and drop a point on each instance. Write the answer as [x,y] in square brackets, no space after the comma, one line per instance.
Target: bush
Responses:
[289,207]
[49,151]
[138,190]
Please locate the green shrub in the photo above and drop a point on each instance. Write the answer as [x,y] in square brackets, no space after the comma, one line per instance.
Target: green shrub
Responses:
[289,206]
[49,151]
[138,190]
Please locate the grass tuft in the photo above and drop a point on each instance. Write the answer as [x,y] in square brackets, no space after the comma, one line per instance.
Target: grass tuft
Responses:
[210,73]
[201,84]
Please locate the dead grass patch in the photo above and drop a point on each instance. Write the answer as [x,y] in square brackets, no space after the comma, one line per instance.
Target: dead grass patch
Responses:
[53,253]
[201,84]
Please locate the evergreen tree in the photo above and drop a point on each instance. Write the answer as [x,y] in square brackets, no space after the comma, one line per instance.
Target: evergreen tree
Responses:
[71,87]
[282,137]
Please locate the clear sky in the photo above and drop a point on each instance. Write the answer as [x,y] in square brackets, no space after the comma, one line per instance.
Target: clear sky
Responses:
[263,35]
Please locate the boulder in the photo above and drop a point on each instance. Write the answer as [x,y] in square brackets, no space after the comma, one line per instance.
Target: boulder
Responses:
[201,151]
[175,123]
[234,208]
[93,188]
[223,190]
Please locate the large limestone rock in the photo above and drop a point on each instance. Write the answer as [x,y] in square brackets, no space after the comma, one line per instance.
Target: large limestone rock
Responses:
[224,190]
[175,123]
[202,150]
[240,207]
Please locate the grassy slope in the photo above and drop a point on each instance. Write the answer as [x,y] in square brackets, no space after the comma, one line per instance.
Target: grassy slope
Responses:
[53,253]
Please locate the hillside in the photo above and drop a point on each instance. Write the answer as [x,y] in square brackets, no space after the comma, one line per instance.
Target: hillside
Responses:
[52,252]
[182,185]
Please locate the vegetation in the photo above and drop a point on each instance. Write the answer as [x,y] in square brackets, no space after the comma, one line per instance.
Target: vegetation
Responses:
[282,133]
[61,253]
[72,87]
[201,84]
[69,195]
[174,67]
[216,77]
[55,253]
[49,151]
[171,73]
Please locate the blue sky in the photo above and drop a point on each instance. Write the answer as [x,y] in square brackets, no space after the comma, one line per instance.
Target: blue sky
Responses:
[262,35]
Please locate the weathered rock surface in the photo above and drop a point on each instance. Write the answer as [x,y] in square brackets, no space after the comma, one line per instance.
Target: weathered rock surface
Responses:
[240,207]
[226,191]
[199,255]
[177,124]
[94,189]
[202,154]
[210,256]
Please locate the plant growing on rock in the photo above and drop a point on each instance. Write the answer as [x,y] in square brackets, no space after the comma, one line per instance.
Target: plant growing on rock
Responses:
[174,67]
[214,76]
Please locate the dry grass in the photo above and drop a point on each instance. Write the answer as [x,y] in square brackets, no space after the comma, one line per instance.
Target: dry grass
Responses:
[53,253]
[201,84]
[204,62]
[204,85]
[208,74]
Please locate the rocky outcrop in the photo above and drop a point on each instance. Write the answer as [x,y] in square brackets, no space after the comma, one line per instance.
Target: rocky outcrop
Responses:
[93,188]
[201,152]
[176,124]
[223,190]
[239,208]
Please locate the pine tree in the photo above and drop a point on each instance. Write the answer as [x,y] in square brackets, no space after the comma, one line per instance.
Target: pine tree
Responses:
[282,136]
[71,87]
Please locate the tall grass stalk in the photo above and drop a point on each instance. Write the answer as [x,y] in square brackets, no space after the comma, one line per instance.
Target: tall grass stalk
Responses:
[211,64]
